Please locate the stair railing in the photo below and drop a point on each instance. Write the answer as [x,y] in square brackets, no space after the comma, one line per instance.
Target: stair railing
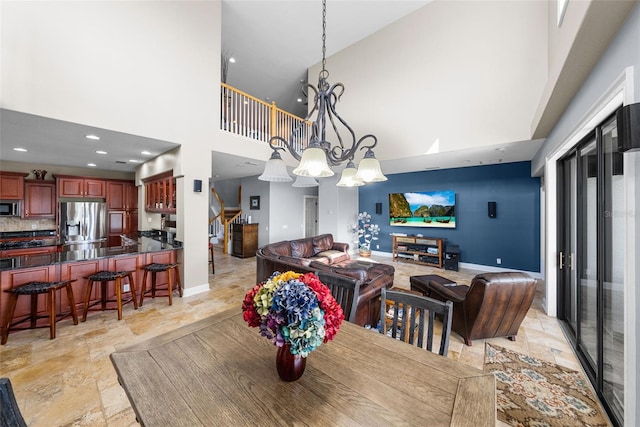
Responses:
[248,116]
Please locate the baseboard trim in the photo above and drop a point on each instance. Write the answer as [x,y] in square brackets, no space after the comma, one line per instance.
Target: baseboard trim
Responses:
[194,290]
[484,268]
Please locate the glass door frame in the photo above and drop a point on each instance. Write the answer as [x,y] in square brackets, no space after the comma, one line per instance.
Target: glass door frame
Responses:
[593,368]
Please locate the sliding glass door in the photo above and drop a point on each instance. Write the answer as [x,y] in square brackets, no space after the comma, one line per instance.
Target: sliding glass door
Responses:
[591,265]
[613,233]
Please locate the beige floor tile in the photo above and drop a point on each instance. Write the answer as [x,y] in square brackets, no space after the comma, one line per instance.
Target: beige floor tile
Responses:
[70,381]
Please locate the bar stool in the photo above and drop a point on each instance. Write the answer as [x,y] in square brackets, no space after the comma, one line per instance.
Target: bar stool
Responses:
[154,269]
[34,289]
[213,267]
[104,277]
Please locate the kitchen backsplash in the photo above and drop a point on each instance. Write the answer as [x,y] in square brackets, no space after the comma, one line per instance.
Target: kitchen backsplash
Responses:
[17,224]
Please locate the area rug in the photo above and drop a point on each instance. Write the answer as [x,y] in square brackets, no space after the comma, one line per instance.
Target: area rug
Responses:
[534,393]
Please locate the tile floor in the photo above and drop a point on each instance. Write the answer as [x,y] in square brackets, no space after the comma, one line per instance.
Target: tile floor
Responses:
[70,381]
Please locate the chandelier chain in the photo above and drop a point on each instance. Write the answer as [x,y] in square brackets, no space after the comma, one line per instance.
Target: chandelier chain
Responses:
[324,35]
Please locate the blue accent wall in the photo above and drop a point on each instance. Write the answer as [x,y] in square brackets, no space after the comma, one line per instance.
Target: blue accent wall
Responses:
[513,236]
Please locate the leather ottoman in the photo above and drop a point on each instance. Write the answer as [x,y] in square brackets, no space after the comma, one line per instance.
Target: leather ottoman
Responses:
[421,284]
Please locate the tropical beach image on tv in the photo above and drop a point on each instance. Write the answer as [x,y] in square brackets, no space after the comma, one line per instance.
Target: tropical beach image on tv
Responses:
[423,209]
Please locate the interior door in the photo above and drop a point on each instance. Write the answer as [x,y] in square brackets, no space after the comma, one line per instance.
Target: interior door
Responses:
[310,216]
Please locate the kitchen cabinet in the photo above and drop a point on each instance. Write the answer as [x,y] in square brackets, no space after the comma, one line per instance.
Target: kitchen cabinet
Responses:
[131,221]
[38,250]
[12,185]
[80,187]
[245,240]
[160,193]
[131,197]
[116,195]
[122,202]
[122,195]
[39,199]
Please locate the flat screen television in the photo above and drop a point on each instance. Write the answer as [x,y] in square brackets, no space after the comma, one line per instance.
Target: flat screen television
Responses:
[423,209]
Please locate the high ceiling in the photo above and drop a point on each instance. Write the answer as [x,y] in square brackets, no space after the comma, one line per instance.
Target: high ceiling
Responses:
[273,43]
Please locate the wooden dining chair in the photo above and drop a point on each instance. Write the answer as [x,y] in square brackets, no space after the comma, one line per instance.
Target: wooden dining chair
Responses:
[406,315]
[9,411]
[344,290]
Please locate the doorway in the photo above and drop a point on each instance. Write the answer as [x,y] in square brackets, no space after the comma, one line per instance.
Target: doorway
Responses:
[310,216]
[591,242]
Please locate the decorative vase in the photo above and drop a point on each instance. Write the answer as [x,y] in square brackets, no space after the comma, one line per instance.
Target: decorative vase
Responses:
[290,366]
[365,253]
[39,173]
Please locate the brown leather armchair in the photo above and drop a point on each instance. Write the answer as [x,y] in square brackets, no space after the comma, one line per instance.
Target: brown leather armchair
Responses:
[493,306]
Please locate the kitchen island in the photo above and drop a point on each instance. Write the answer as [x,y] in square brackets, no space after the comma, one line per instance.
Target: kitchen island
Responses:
[139,251]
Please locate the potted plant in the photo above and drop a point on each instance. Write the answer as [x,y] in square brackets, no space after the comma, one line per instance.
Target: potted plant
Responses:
[365,232]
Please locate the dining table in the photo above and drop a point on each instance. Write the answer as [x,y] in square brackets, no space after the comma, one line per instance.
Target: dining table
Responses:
[220,372]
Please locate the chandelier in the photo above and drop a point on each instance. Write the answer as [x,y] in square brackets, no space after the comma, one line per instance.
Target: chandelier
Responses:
[320,154]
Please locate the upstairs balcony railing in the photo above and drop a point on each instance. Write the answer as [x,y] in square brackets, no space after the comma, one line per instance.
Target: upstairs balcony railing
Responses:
[245,115]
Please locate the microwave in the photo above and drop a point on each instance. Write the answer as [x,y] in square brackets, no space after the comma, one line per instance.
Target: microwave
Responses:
[9,207]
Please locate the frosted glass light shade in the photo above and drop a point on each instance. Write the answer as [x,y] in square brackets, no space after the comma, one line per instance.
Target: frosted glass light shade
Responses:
[369,170]
[305,181]
[348,177]
[275,170]
[313,163]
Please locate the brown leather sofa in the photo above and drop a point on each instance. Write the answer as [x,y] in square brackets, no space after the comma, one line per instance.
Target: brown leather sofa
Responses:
[493,306]
[321,253]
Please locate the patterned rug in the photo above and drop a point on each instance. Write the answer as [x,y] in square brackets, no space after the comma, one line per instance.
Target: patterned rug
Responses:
[534,393]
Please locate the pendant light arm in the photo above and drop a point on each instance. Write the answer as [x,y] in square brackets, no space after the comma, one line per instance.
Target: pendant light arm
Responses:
[290,149]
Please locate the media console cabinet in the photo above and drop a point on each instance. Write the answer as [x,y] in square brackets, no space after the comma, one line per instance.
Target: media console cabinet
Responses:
[420,250]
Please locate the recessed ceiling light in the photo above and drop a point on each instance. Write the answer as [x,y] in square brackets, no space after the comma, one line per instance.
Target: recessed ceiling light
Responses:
[94,137]
[101,152]
[135,161]
[299,99]
[20,149]
[146,153]
[232,60]
[91,164]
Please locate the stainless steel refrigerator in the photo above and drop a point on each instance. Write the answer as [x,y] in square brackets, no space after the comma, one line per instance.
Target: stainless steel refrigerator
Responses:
[83,225]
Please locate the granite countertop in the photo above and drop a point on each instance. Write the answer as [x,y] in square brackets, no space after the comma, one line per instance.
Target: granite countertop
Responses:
[138,244]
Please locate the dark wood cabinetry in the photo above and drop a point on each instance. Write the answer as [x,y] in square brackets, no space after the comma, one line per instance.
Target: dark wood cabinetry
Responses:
[12,185]
[160,193]
[421,250]
[122,204]
[7,253]
[39,199]
[80,187]
[245,240]
[116,195]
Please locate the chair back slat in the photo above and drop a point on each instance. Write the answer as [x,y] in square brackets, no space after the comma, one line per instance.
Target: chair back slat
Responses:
[413,318]
[345,290]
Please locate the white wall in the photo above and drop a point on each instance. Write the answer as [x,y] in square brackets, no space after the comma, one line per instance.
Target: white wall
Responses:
[286,210]
[483,63]
[143,68]
[337,208]
[252,186]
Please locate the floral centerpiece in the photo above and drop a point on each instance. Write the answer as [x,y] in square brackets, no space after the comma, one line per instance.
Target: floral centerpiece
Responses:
[365,232]
[294,310]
